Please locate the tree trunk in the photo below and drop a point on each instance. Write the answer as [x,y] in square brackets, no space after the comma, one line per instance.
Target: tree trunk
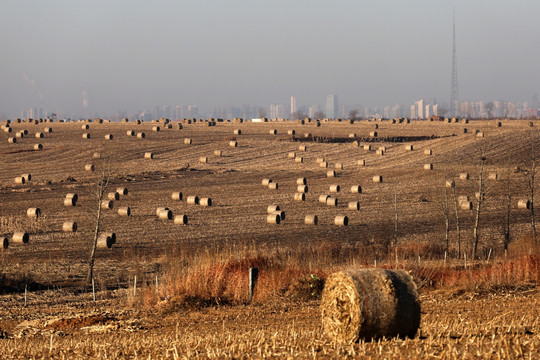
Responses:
[458,225]
[479,202]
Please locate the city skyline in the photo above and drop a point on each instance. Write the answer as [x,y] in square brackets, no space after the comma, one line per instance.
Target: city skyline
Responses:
[108,57]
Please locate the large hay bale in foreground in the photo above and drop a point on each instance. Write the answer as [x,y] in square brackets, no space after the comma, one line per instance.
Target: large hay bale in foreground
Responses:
[369,303]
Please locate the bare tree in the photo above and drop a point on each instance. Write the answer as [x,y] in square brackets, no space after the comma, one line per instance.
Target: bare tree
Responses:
[480,197]
[98,194]
[446,215]
[458,223]
[531,180]
[319,115]
[508,210]
[353,114]
[488,107]
[298,115]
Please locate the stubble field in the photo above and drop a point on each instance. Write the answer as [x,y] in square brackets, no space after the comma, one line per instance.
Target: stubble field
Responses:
[60,319]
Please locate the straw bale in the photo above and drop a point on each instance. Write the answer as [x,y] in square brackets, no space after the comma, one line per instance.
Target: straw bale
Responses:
[106,240]
[311,220]
[369,304]
[20,237]
[122,190]
[177,195]
[205,202]
[341,220]
[301,181]
[124,211]
[299,197]
[181,219]
[69,226]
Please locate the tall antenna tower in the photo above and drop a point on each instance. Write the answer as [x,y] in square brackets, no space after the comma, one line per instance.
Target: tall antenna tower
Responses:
[454,99]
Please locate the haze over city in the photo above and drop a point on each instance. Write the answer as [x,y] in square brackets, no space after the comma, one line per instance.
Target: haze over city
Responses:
[123,57]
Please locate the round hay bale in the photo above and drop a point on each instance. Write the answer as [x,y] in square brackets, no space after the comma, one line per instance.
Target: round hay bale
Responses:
[69,226]
[524,204]
[203,159]
[273,132]
[188,141]
[356,189]
[130,133]
[141,135]
[38,147]
[383,148]
[341,220]
[85,126]
[39,135]
[367,147]
[463,198]
[373,134]
[20,237]
[281,214]
[380,152]
[320,160]
[272,209]
[409,147]
[8,129]
[369,304]
[192,200]
[464,176]
[155,128]
[311,220]
[72,196]
[332,201]
[181,219]
[450,184]
[466,205]
[20,180]
[465,130]
[89,167]
[124,211]
[353,205]
[291,155]
[86,136]
[5,242]
[331,173]
[107,204]
[205,202]
[265,182]
[428,166]
[96,155]
[334,188]
[233,143]
[109,136]
[273,218]
[299,159]
[480,134]
[428,152]
[160,209]
[361,162]
[323,198]
[307,135]
[12,140]
[493,176]
[356,143]
[165,214]
[273,186]
[27,176]
[302,148]
[323,164]
[301,181]
[48,130]
[122,190]
[177,195]
[218,153]
[33,212]
[376,126]
[113,196]
[291,132]
[70,201]
[19,134]
[499,124]
[302,188]
[338,166]
[299,197]
[106,240]
[377,179]
[237,132]
[352,135]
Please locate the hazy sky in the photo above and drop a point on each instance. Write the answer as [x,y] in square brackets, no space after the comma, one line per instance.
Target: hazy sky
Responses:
[135,54]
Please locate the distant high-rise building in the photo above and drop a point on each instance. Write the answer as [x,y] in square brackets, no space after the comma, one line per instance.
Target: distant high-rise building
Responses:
[413,112]
[427,113]
[293,105]
[331,106]
[419,109]
[436,109]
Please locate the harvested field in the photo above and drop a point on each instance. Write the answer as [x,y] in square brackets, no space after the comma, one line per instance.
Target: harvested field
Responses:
[399,224]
